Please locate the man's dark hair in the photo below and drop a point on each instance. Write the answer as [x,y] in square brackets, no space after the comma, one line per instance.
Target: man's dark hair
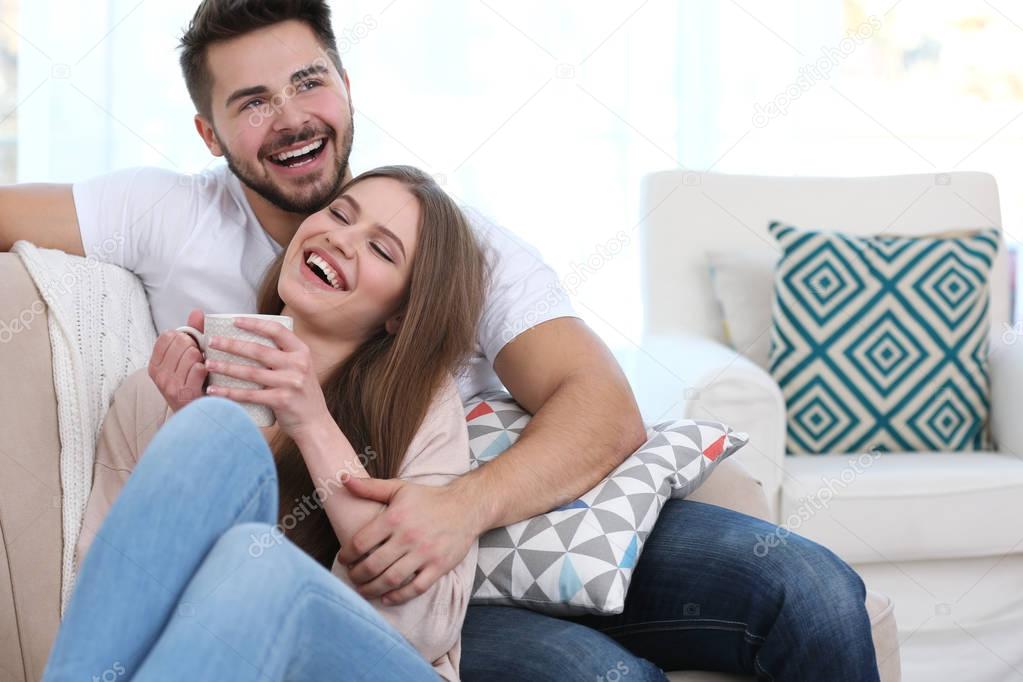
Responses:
[217,20]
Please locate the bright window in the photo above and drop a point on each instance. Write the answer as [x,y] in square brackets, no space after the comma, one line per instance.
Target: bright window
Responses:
[546,115]
[8,90]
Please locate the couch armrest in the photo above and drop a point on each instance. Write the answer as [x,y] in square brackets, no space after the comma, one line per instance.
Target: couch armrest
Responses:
[733,487]
[1006,371]
[694,377]
[30,488]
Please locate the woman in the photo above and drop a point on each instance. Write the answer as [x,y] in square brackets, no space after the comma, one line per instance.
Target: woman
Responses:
[212,561]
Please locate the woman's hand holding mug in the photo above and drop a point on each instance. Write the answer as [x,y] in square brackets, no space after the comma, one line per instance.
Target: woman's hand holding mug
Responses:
[247,364]
[176,365]
[289,383]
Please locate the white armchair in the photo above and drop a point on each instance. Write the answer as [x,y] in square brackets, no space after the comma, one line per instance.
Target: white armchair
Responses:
[702,378]
[941,533]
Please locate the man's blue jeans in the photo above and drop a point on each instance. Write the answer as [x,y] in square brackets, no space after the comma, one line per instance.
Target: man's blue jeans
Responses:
[186,578]
[707,594]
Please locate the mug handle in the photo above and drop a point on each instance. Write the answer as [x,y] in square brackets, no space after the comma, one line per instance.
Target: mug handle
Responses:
[196,335]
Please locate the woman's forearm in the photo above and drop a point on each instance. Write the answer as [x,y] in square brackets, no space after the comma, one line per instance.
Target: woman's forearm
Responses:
[331,459]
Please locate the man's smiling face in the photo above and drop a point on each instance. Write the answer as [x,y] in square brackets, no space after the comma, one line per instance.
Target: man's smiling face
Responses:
[281,115]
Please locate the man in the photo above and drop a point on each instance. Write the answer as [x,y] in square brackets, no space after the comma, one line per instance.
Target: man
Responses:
[275,101]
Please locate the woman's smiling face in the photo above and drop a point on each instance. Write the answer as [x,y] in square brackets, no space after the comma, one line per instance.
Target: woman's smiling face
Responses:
[347,269]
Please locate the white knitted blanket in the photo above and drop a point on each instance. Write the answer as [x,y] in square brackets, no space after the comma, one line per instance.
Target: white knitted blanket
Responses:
[101,330]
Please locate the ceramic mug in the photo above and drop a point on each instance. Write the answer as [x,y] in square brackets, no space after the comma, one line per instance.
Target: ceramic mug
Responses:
[223,325]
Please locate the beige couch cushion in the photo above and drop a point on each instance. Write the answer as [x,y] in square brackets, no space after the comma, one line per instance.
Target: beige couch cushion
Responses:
[731,486]
[949,505]
[30,494]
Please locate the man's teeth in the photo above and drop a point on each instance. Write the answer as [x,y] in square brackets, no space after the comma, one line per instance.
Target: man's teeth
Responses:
[325,268]
[311,147]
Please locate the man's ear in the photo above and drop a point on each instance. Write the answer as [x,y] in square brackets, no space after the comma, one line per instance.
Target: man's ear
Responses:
[348,88]
[393,325]
[209,137]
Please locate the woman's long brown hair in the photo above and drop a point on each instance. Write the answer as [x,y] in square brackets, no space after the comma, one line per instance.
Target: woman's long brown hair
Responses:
[380,394]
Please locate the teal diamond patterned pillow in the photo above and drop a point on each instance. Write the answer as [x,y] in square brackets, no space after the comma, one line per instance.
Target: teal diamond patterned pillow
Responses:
[579,557]
[882,342]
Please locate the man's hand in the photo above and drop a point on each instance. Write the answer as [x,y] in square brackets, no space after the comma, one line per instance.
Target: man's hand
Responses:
[176,365]
[424,533]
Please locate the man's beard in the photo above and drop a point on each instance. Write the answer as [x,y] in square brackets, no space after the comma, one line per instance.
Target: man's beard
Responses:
[258,182]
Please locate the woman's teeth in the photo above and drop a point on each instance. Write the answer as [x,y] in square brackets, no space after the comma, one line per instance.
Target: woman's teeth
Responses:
[326,272]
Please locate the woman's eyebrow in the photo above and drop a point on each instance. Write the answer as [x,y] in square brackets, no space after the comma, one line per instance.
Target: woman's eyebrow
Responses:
[382,228]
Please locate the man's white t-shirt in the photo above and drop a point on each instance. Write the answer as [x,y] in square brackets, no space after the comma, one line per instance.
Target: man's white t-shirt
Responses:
[194,242]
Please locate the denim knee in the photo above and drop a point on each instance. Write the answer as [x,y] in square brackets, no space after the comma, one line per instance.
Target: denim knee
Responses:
[260,558]
[225,426]
[265,543]
[251,538]
[218,410]
[251,549]
[834,574]
[816,577]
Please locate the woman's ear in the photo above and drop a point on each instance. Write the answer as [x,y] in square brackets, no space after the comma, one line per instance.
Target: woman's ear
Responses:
[393,325]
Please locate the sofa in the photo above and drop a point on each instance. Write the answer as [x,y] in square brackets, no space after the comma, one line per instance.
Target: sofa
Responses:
[31,534]
[938,532]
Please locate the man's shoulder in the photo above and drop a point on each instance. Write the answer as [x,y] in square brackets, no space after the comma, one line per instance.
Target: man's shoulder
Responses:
[210,176]
[211,183]
[211,192]
[133,177]
[142,183]
[508,253]
[492,233]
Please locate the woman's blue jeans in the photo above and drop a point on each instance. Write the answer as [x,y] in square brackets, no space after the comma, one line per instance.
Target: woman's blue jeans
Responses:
[189,579]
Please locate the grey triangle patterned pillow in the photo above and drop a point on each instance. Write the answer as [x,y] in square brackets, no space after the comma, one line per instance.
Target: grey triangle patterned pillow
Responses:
[579,557]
